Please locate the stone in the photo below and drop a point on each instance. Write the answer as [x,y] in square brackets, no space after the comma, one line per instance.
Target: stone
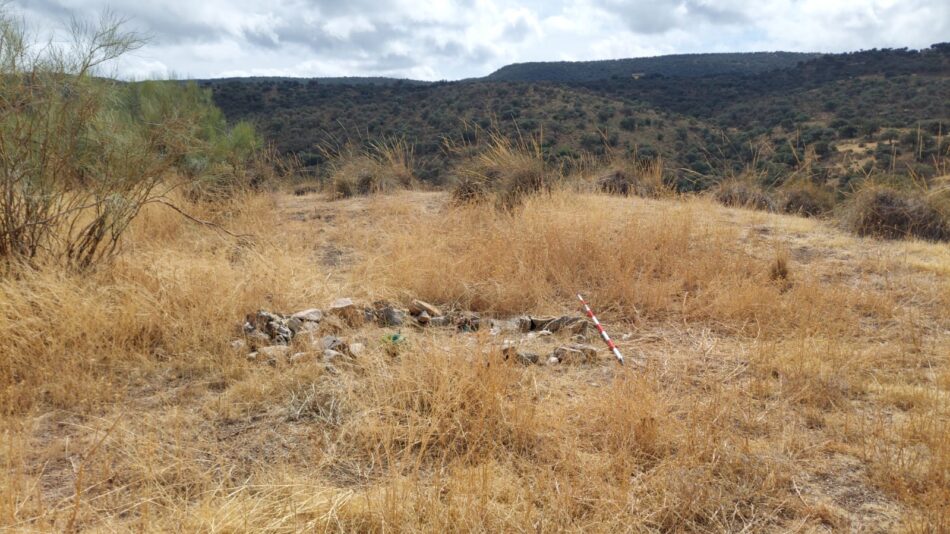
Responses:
[330,355]
[540,323]
[299,357]
[274,351]
[311,315]
[389,316]
[423,318]
[501,326]
[279,332]
[238,345]
[346,310]
[574,325]
[417,307]
[440,321]
[252,356]
[468,322]
[357,348]
[521,357]
[543,333]
[294,324]
[329,343]
[258,339]
[575,353]
[552,360]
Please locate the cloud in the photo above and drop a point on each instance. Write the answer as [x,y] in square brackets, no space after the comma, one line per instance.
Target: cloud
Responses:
[450,39]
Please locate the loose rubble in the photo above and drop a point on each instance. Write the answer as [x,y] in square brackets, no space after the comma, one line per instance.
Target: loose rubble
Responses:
[268,336]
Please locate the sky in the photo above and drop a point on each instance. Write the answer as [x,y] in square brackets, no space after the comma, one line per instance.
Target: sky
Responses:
[449,40]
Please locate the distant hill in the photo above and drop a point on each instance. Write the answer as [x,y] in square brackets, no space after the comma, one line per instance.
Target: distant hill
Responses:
[707,116]
[680,65]
[342,80]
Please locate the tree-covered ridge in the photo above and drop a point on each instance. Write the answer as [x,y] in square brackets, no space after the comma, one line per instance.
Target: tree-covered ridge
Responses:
[681,65]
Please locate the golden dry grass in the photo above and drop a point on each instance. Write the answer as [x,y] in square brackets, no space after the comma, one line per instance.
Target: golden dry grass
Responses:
[815,401]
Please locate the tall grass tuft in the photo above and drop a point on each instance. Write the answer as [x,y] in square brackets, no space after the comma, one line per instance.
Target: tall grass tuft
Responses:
[504,172]
[383,166]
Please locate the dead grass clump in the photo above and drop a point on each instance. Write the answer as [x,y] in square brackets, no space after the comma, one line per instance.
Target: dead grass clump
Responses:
[383,167]
[505,172]
[806,199]
[644,179]
[880,211]
[743,193]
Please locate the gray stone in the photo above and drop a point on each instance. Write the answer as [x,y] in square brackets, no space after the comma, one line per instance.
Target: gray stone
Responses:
[312,315]
[552,360]
[238,345]
[357,348]
[390,316]
[294,324]
[521,357]
[423,318]
[440,321]
[417,307]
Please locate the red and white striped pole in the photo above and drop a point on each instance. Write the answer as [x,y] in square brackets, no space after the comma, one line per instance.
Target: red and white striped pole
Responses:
[603,333]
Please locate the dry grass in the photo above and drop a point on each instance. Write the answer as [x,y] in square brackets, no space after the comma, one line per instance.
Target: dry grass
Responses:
[381,167]
[789,377]
[503,172]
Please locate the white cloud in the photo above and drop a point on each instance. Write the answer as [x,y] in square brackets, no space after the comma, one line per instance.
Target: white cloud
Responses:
[451,39]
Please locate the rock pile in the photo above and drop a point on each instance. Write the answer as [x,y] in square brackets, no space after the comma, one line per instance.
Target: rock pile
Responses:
[269,336]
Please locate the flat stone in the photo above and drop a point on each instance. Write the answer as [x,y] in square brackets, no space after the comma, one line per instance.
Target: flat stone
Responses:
[274,351]
[423,318]
[294,324]
[312,315]
[346,310]
[417,307]
[575,354]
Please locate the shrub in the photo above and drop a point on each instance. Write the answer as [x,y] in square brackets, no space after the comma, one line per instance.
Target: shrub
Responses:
[641,178]
[882,211]
[806,199]
[504,172]
[382,167]
[743,193]
[83,154]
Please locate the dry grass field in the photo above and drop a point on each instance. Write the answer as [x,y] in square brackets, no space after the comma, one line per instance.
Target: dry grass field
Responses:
[783,376]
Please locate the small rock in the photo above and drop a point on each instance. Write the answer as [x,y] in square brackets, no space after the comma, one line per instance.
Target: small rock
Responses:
[252,356]
[498,326]
[543,333]
[424,318]
[468,322]
[294,324]
[312,315]
[345,309]
[238,345]
[552,360]
[274,351]
[417,307]
[523,358]
[258,339]
[575,354]
[357,348]
[329,343]
[440,321]
[299,357]
[389,316]
[329,355]
[540,323]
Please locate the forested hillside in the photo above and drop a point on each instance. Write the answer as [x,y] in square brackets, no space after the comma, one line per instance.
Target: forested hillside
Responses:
[709,116]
